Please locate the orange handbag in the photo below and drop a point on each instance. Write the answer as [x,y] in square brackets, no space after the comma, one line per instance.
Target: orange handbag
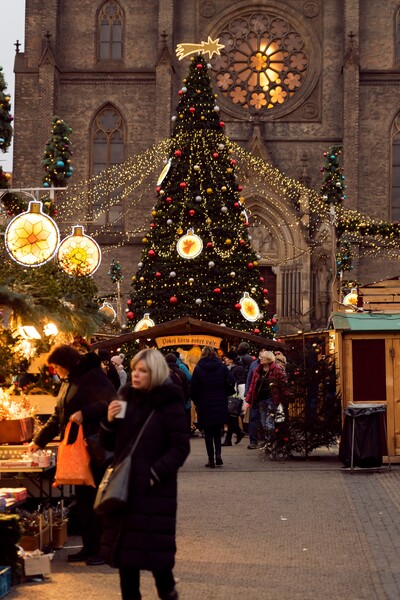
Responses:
[73,461]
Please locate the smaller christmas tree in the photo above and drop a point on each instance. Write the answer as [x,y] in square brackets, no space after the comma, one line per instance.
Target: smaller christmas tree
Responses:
[333,186]
[5,116]
[57,156]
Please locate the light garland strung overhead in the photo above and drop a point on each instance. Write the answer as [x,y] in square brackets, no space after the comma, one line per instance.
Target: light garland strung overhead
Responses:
[79,254]
[32,237]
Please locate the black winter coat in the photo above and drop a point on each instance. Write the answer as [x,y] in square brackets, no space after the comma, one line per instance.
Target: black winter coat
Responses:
[90,391]
[210,386]
[143,536]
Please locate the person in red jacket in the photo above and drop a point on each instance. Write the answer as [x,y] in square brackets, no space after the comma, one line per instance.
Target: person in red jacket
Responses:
[267,389]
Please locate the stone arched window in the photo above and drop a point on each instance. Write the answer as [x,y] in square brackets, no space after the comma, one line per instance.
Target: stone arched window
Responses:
[108,150]
[395,199]
[109,32]
[397,36]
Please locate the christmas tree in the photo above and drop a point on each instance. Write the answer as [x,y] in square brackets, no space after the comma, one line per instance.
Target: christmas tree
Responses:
[197,259]
[11,202]
[57,156]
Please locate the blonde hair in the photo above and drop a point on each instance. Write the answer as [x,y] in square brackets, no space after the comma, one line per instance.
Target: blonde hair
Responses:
[269,355]
[155,362]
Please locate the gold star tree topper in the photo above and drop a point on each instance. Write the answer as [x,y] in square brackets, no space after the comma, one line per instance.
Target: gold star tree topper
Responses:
[210,46]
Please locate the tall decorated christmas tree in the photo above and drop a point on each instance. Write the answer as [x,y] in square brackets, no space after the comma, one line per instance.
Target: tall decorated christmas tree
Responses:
[197,259]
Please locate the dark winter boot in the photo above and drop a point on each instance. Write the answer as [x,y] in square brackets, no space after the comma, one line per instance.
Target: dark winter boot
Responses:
[171,596]
[218,461]
[211,463]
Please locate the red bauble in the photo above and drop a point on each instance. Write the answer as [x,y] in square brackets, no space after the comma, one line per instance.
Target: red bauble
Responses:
[182,184]
[192,212]
[180,92]
[240,188]
[236,205]
[168,199]
[192,109]
[173,300]
[158,274]
[130,314]
[217,290]
[158,188]
[178,152]
[233,162]
[129,302]
[262,279]
[250,265]
[152,225]
[269,323]
[265,291]
[238,306]
[242,242]
[273,321]
[222,123]
[151,253]
[199,66]
[215,154]
[256,331]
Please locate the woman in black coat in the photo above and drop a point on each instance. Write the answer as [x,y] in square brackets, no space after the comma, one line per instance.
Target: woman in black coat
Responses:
[83,399]
[210,386]
[143,537]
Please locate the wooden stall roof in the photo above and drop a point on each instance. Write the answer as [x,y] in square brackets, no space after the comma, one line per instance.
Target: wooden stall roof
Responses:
[382,296]
[366,322]
[185,326]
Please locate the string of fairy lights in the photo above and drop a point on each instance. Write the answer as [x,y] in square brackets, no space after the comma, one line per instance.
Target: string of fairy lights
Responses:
[131,185]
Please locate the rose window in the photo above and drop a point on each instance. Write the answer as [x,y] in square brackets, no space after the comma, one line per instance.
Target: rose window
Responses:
[263,64]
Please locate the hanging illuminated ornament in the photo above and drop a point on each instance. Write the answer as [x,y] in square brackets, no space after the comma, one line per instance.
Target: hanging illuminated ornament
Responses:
[79,254]
[108,311]
[249,308]
[32,237]
[164,172]
[351,298]
[189,245]
[144,323]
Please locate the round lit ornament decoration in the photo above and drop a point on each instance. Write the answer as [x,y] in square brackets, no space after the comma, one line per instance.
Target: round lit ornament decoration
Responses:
[351,298]
[144,323]
[79,254]
[32,237]
[249,308]
[108,311]
[190,245]
[164,172]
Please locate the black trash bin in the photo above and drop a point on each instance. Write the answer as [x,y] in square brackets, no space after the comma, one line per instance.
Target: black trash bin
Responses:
[363,441]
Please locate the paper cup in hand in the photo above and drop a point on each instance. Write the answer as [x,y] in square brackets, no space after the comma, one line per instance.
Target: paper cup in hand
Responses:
[121,413]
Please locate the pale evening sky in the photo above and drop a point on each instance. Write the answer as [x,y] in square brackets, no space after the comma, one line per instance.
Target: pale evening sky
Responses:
[13,29]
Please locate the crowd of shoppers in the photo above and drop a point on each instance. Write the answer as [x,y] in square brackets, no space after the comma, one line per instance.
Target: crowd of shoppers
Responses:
[162,392]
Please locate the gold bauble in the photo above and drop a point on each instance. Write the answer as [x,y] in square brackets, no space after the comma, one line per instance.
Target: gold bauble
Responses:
[228,242]
[149,302]
[141,279]
[179,231]
[209,191]
[145,240]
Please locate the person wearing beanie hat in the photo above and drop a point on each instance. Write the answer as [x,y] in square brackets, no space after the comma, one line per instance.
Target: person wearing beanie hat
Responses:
[118,362]
[108,368]
[233,363]
[243,351]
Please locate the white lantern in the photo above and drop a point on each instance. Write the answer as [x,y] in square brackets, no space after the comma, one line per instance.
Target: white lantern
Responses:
[79,254]
[32,237]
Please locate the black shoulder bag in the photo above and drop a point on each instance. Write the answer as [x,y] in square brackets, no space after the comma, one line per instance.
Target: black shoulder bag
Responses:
[112,494]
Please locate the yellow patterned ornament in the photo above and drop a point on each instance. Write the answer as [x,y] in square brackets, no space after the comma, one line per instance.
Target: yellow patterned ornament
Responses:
[79,254]
[32,237]
[190,245]
[249,308]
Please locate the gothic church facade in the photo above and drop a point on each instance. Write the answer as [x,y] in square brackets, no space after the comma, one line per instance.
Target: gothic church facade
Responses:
[294,78]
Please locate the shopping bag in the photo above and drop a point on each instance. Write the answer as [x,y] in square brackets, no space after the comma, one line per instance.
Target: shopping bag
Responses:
[235,404]
[112,495]
[73,461]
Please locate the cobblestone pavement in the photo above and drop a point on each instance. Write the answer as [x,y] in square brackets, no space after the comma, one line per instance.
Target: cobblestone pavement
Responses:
[256,529]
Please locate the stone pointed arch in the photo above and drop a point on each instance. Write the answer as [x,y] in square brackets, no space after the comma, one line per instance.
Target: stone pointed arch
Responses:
[281,245]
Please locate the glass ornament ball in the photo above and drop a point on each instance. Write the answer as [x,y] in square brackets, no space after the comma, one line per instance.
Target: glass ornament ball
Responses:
[211,264]
[32,238]
[224,209]
[130,315]
[198,301]
[196,167]
[173,300]
[198,198]
[140,265]
[79,254]
[173,118]
[149,302]
[232,274]
[169,221]
[172,274]
[216,108]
